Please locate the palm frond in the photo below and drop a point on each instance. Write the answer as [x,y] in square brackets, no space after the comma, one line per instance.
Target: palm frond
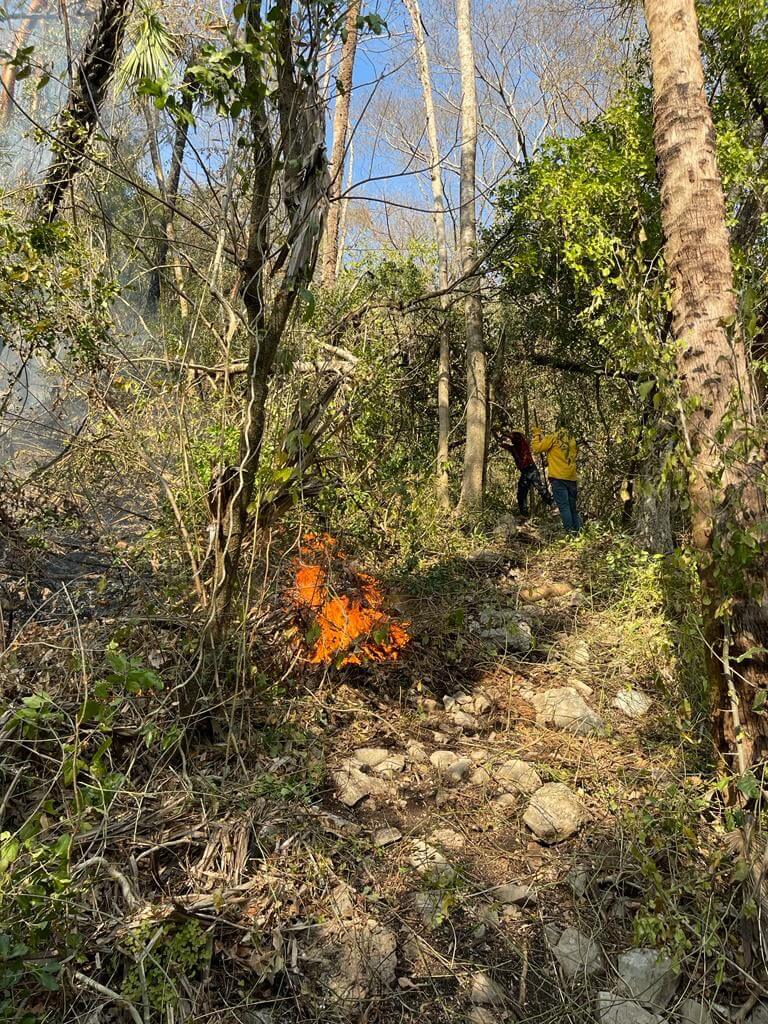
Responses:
[152,53]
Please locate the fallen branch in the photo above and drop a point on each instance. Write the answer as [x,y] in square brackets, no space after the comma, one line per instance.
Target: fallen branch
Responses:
[130,897]
[110,994]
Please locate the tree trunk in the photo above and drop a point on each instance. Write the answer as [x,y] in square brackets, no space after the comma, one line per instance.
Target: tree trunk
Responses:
[438,205]
[8,75]
[340,131]
[714,383]
[474,449]
[299,158]
[169,190]
[77,121]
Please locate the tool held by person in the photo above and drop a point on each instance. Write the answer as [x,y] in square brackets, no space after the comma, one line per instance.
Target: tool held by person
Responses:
[517,444]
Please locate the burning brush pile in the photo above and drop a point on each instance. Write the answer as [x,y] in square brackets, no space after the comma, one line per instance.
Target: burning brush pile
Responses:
[342,609]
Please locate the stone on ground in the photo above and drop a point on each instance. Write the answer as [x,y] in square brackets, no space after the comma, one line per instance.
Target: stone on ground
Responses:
[486,991]
[613,1009]
[386,836]
[352,785]
[450,765]
[566,709]
[513,893]
[448,839]
[578,954]
[431,864]
[430,906]
[370,757]
[759,1015]
[647,977]
[367,961]
[481,777]
[464,720]
[632,703]
[544,592]
[482,1015]
[693,1011]
[517,776]
[554,813]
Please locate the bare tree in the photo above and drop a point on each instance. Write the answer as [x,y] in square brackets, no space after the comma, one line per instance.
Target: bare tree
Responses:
[169,190]
[340,131]
[714,381]
[436,178]
[77,121]
[293,163]
[10,71]
[477,396]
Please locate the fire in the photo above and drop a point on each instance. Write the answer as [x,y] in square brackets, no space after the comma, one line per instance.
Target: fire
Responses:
[352,621]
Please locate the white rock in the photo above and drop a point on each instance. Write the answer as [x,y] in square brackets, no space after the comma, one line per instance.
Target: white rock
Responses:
[517,776]
[367,961]
[370,757]
[450,765]
[554,813]
[448,839]
[613,1009]
[694,1011]
[578,954]
[342,900]
[578,654]
[431,864]
[387,836]
[481,704]
[464,720]
[431,907]
[482,1015]
[417,752]
[647,977]
[565,709]
[486,991]
[632,703]
[513,893]
[481,777]
[505,802]
[352,786]
[391,765]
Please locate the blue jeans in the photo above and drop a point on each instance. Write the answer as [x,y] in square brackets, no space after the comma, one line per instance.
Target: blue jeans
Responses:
[530,479]
[565,493]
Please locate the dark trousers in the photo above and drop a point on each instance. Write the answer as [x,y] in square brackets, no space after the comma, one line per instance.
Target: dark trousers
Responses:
[530,478]
[565,493]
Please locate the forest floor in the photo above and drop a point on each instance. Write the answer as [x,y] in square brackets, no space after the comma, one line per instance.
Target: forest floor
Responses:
[494,827]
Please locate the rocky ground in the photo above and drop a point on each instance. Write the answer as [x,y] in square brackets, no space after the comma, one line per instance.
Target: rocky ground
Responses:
[468,834]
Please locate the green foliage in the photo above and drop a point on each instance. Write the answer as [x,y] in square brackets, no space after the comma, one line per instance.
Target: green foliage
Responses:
[35,903]
[166,954]
[667,853]
[51,300]
[152,52]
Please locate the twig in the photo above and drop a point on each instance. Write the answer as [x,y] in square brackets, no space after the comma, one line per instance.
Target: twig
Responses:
[110,994]
[130,897]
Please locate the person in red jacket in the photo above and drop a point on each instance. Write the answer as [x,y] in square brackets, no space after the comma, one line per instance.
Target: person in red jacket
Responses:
[517,444]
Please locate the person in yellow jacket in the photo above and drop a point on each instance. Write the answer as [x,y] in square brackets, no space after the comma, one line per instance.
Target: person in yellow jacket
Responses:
[560,450]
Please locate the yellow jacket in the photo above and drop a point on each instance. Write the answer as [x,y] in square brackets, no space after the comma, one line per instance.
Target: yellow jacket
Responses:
[560,449]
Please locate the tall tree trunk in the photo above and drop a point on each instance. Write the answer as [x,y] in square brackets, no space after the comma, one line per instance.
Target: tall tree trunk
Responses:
[78,119]
[340,131]
[300,156]
[8,74]
[714,382]
[477,396]
[438,207]
[169,190]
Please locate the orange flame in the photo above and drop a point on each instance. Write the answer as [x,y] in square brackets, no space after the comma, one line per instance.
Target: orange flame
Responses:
[355,622]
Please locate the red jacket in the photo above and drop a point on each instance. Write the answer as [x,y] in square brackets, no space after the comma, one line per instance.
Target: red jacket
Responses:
[517,444]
